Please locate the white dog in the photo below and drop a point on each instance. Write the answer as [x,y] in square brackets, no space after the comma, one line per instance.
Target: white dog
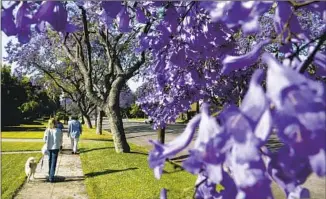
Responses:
[30,168]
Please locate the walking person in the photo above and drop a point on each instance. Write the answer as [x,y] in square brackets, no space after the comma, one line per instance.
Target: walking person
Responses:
[53,140]
[74,131]
[60,126]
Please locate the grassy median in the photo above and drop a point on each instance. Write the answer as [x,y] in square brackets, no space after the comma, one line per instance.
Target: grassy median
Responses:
[123,176]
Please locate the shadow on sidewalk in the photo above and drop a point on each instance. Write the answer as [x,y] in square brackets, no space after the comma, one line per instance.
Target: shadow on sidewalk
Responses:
[107,171]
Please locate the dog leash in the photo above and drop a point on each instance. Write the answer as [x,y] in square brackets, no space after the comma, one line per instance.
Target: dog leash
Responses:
[42,161]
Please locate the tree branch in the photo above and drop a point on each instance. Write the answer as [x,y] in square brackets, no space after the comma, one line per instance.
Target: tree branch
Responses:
[135,67]
[310,59]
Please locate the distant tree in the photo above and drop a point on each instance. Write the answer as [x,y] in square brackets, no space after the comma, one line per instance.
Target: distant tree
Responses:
[22,99]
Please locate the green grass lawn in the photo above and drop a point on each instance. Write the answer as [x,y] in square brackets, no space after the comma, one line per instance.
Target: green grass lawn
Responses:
[136,119]
[123,176]
[90,134]
[21,146]
[13,172]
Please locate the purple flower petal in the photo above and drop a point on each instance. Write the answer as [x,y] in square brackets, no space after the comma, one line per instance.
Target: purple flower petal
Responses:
[24,23]
[123,20]
[112,8]
[278,78]
[160,152]
[54,13]
[320,61]
[299,193]
[105,18]
[231,63]
[288,169]
[140,16]
[254,103]
[8,25]
[71,28]
[282,14]
[172,17]
[318,163]
[163,194]
[179,58]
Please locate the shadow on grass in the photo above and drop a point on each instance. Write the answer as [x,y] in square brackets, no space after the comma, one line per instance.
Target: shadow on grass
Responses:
[82,150]
[138,152]
[149,134]
[179,158]
[107,171]
[100,139]
[32,123]
[22,129]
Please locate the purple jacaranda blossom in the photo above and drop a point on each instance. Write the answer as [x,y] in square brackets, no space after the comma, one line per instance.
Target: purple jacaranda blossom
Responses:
[299,192]
[163,194]
[8,25]
[140,16]
[172,17]
[112,8]
[179,58]
[299,111]
[288,169]
[252,117]
[320,61]
[208,189]
[231,63]
[235,14]
[250,127]
[56,15]
[317,163]
[210,147]
[123,20]
[161,152]
[283,12]
[24,22]
[105,18]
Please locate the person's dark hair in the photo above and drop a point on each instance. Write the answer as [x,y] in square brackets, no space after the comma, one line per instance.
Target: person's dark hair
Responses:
[74,117]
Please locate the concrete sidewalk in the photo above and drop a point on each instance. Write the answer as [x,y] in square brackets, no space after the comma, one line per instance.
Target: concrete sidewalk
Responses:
[69,178]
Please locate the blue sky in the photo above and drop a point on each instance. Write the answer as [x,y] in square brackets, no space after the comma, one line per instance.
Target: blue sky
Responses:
[4,40]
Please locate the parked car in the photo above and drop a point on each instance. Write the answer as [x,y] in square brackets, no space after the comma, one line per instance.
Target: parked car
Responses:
[149,121]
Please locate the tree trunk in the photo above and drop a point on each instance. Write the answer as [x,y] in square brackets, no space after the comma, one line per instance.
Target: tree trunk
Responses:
[99,123]
[188,116]
[96,112]
[87,119]
[115,120]
[161,135]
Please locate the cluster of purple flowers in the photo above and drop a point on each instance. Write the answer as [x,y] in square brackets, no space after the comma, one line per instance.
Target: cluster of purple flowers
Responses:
[233,153]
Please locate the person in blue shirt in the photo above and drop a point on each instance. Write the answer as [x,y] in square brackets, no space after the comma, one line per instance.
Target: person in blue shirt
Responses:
[74,132]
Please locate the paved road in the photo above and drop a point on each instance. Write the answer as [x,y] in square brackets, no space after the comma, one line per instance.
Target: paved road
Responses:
[139,133]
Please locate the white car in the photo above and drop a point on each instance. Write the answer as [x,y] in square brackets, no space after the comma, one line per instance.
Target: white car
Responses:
[149,121]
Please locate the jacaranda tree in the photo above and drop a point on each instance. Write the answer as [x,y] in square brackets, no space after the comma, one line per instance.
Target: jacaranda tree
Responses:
[179,35]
